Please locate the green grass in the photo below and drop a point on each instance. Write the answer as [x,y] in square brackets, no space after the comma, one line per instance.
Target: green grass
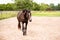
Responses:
[9,14]
[46,13]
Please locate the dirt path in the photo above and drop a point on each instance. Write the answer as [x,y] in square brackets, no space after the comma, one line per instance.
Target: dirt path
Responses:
[41,28]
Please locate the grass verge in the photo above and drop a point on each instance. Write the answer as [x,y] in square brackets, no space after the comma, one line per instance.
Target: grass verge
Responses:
[8,14]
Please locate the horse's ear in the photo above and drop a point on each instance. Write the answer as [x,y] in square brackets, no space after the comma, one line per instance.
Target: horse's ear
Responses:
[24,11]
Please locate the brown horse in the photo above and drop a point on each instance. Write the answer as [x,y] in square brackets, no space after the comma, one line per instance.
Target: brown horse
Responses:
[23,17]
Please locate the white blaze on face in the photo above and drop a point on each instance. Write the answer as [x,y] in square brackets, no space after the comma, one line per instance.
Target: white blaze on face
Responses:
[30,19]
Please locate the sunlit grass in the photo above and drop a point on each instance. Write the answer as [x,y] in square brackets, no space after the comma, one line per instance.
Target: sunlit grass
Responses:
[46,13]
[9,14]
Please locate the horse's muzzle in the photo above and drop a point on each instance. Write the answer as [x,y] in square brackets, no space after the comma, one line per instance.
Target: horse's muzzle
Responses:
[30,20]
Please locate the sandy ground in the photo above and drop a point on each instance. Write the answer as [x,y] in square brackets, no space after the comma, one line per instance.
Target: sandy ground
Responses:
[41,28]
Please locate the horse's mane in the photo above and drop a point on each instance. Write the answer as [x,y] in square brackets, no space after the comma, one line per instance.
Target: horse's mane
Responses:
[25,12]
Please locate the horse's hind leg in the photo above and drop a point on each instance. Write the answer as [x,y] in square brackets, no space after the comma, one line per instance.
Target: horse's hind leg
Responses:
[19,25]
[22,26]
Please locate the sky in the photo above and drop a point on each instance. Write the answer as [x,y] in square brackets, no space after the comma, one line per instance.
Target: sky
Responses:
[47,1]
[6,1]
[37,1]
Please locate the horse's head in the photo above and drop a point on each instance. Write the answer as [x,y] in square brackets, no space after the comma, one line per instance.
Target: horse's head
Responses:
[27,14]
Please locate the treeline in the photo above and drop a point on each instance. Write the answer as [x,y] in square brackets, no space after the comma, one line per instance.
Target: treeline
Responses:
[28,4]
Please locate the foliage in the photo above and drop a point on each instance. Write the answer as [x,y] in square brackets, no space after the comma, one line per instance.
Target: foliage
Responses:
[44,6]
[46,13]
[35,6]
[24,4]
[28,4]
[7,14]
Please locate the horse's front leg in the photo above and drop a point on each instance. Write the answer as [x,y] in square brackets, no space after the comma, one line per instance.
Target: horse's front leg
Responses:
[25,29]
[26,25]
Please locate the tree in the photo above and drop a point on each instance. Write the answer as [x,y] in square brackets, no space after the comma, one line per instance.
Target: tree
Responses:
[2,7]
[58,6]
[52,6]
[23,4]
[44,6]
[28,4]
[36,6]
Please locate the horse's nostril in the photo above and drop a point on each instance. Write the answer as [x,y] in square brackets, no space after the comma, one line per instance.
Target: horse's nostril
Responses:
[30,20]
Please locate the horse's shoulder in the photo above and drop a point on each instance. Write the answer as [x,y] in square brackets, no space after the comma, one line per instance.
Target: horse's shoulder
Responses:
[19,14]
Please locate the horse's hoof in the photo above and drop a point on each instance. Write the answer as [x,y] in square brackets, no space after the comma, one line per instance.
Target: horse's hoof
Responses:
[24,33]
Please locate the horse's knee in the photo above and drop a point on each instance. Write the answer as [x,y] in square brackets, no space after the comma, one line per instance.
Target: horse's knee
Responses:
[25,28]
[22,28]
